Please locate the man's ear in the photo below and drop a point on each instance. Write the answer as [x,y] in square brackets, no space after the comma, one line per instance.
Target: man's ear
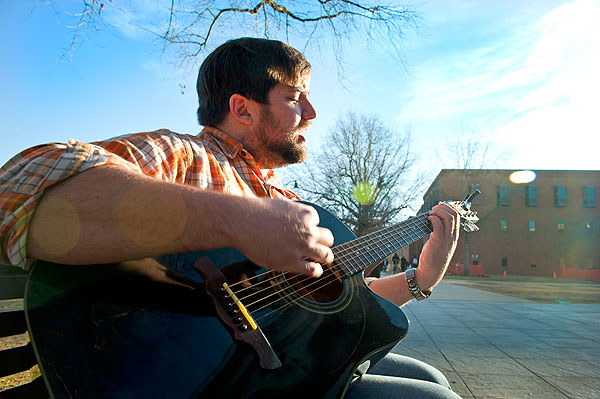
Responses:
[240,109]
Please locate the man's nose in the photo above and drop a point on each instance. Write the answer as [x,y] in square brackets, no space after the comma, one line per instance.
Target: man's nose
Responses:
[308,110]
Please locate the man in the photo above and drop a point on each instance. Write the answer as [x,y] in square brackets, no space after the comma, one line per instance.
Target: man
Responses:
[146,195]
[415,262]
[403,264]
[395,260]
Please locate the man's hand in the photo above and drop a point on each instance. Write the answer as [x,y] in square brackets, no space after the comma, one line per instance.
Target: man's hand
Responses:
[440,247]
[284,235]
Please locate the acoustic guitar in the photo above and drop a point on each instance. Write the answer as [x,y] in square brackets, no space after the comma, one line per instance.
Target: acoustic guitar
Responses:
[215,325]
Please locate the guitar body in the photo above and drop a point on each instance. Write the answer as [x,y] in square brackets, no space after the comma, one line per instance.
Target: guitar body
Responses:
[151,331]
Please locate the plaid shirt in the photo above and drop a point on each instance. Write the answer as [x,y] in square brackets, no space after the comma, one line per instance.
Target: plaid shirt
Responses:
[212,160]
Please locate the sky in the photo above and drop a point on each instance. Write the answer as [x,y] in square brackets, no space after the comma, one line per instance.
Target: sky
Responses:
[521,75]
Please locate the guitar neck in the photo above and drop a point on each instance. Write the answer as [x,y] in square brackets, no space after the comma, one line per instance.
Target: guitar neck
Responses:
[354,256]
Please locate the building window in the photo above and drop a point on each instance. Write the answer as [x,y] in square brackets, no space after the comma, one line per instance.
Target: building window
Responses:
[560,196]
[502,195]
[531,196]
[560,226]
[532,225]
[589,196]
[505,261]
[533,261]
[503,226]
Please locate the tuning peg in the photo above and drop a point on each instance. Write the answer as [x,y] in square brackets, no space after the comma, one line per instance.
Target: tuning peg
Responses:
[469,198]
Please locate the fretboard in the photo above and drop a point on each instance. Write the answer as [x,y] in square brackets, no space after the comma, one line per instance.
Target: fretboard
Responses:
[354,256]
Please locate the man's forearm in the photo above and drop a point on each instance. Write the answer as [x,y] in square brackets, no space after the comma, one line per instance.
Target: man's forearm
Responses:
[108,214]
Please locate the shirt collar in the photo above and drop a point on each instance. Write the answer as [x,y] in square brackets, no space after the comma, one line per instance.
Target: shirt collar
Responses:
[230,146]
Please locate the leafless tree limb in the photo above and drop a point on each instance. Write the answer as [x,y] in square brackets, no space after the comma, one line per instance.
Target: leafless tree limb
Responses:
[367,181]
[192,26]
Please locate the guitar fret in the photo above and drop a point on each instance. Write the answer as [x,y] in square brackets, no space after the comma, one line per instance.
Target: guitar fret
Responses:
[354,256]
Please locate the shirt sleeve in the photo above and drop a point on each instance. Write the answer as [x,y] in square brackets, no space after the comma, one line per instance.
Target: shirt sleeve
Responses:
[24,178]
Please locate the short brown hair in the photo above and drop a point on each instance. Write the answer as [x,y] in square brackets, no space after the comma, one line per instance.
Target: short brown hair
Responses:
[247,66]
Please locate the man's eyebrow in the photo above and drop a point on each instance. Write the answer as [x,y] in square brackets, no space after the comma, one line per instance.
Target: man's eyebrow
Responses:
[298,89]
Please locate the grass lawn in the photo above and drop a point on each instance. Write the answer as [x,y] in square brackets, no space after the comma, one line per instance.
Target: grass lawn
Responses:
[538,289]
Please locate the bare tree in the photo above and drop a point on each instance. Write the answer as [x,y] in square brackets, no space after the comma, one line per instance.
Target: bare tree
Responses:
[191,26]
[362,173]
[471,152]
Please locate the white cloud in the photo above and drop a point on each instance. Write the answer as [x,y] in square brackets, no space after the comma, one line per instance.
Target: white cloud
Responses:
[563,126]
[535,89]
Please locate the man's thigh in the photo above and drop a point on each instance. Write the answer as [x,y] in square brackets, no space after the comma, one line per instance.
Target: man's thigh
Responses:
[383,386]
[397,376]
[394,365]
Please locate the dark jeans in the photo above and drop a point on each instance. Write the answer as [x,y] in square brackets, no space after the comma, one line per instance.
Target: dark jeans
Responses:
[401,377]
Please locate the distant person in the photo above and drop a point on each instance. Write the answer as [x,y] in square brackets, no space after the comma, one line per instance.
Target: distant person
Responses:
[415,262]
[395,260]
[403,264]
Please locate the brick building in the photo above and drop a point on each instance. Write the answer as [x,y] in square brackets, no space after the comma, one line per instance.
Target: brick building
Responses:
[549,225]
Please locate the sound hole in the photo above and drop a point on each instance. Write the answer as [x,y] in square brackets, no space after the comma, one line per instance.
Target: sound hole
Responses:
[324,289]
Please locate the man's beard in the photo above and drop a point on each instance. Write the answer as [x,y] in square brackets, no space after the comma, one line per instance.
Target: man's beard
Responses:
[282,148]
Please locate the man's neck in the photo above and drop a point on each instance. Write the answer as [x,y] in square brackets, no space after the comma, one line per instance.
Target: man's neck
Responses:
[234,133]
[232,130]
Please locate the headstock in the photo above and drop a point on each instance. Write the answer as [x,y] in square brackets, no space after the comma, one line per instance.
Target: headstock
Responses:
[468,218]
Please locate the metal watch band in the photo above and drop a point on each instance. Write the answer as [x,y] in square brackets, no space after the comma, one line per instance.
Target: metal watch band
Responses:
[413,287]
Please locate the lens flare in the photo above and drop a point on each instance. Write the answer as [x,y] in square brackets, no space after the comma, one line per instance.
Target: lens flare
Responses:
[363,193]
[522,176]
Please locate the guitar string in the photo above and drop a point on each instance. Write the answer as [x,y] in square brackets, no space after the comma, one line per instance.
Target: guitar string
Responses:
[341,257]
[428,229]
[293,300]
[343,253]
[283,289]
[418,221]
[406,228]
[317,281]
[284,274]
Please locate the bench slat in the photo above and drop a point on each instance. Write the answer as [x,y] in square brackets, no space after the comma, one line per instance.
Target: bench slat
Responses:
[12,323]
[16,360]
[32,390]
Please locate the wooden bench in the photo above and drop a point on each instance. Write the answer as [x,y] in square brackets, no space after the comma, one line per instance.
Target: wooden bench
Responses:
[16,359]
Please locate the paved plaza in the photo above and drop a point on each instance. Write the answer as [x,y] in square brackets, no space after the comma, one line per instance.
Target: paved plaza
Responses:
[496,346]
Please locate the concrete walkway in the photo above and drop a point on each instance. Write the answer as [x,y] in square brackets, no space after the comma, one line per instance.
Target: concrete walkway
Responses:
[495,346]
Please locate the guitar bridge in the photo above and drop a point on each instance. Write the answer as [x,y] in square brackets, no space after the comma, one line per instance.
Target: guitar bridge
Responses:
[234,315]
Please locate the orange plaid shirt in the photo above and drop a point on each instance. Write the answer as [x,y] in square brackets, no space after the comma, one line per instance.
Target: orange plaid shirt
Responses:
[211,160]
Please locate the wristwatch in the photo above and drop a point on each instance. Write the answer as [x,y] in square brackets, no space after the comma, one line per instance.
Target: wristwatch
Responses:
[413,287]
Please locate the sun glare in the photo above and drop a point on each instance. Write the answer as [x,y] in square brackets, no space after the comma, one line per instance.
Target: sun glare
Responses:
[522,176]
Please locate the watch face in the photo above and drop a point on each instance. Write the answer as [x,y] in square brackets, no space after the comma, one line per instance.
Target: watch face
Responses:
[413,287]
